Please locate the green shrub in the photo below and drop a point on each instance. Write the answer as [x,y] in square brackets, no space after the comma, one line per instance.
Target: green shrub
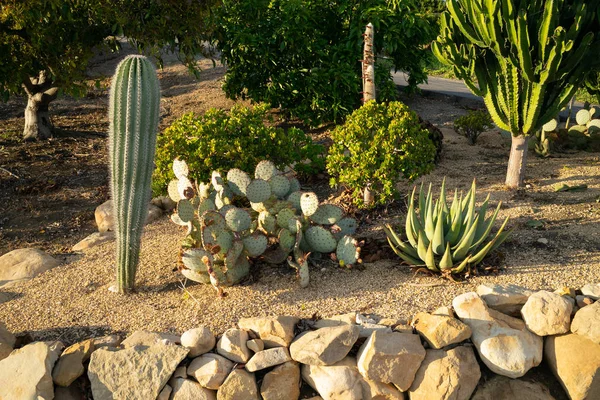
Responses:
[238,139]
[378,144]
[473,124]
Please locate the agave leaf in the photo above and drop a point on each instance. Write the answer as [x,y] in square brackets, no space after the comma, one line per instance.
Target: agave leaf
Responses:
[421,246]
[429,222]
[430,259]
[391,234]
[465,244]
[438,237]
[460,267]
[502,237]
[422,204]
[467,198]
[446,261]
[484,230]
[453,234]
[405,257]
[480,255]
[409,227]
[443,203]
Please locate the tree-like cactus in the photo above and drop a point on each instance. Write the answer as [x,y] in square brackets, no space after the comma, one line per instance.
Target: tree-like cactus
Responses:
[134,112]
[525,58]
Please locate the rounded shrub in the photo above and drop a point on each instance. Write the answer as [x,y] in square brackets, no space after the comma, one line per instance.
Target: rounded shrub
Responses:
[219,141]
[379,144]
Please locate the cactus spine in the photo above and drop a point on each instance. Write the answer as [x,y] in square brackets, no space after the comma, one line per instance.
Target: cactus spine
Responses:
[134,111]
[525,58]
[368,65]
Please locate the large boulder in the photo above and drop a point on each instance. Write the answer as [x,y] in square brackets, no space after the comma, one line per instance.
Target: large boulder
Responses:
[105,219]
[232,345]
[70,364]
[273,331]
[391,358]
[587,322]
[210,370]
[199,340]
[137,372]
[504,344]
[7,341]
[239,385]
[282,383]
[502,388]
[507,299]
[340,381]
[27,373]
[575,361]
[24,264]
[439,330]
[93,240]
[446,375]
[546,313]
[325,346]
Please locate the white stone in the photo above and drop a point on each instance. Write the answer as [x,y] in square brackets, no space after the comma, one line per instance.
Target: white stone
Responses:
[268,358]
[7,341]
[546,313]
[444,311]
[27,372]
[24,264]
[93,240]
[503,343]
[591,290]
[507,299]
[587,322]
[367,329]
[199,340]
[340,381]
[232,345]
[70,364]
[105,219]
[210,370]
[273,331]
[325,346]
[282,383]
[239,385]
[255,345]
[186,389]
[441,331]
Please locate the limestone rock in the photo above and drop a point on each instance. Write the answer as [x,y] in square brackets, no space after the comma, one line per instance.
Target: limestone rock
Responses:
[186,389]
[325,346]
[165,393]
[105,219]
[70,364]
[587,322]
[282,383]
[444,311]
[273,331]
[255,345]
[575,361]
[199,340]
[502,388]
[232,345]
[133,373]
[336,320]
[446,375]
[391,358]
[441,331]
[7,341]
[93,240]
[380,391]
[507,299]
[210,370]
[107,341]
[239,385]
[340,381]
[367,329]
[24,264]
[26,374]
[591,290]
[268,358]
[146,338]
[504,343]
[546,313]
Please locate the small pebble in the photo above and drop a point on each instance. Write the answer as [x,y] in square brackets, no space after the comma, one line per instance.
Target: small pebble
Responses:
[543,240]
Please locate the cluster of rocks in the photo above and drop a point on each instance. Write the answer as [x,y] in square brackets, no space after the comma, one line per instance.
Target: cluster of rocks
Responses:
[345,357]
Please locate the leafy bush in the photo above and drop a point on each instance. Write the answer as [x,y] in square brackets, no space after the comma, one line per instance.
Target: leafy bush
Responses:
[473,124]
[238,139]
[378,144]
[303,55]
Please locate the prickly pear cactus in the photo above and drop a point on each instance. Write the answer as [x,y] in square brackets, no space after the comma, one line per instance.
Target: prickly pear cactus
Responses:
[283,223]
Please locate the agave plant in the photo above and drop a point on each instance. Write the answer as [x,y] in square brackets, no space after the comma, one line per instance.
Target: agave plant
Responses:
[446,239]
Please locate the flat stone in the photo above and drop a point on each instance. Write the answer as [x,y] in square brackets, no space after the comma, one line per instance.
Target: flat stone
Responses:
[391,358]
[507,299]
[133,373]
[502,388]
[325,346]
[340,381]
[232,345]
[575,361]
[146,338]
[440,331]
[504,344]
[446,375]
[583,301]
[70,364]
[186,389]
[255,345]
[165,393]
[268,358]
[587,322]
[546,313]
[336,320]
[282,383]
[24,264]
[210,370]
[273,331]
[105,219]
[239,385]
[199,340]
[93,240]
[7,341]
[591,290]
[27,372]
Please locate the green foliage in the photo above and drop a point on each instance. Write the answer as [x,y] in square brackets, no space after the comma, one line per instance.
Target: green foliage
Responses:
[526,59]
[446,240]
[224,233]
[303,55]
[473,124]
[238,139]
[592,86]
[378,144]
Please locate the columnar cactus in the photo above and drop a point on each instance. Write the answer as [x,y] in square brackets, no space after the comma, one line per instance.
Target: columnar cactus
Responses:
[134,111]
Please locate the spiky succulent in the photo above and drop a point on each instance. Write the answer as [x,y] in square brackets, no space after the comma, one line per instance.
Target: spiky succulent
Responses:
[223,233]
[445,239]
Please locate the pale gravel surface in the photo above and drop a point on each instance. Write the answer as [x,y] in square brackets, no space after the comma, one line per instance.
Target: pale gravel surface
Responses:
[72,301]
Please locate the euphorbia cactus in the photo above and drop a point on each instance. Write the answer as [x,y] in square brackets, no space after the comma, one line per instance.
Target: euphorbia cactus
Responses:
[134,111]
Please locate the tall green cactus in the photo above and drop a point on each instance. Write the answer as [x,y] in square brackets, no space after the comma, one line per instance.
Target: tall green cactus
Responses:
[134,111]
[526,58]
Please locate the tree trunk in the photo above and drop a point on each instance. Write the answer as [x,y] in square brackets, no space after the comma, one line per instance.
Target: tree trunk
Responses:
[517,161]
[40,92]
[368,68]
